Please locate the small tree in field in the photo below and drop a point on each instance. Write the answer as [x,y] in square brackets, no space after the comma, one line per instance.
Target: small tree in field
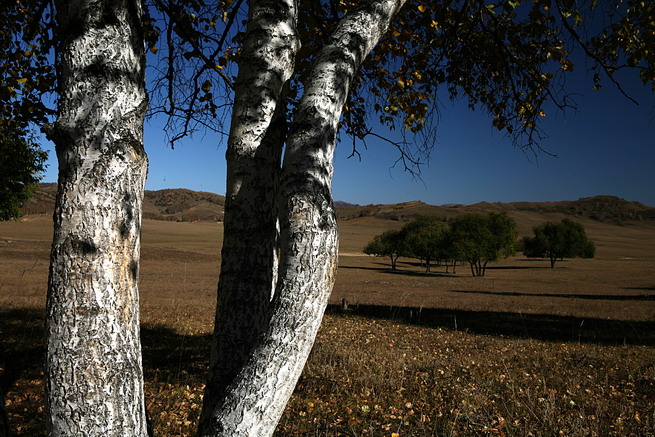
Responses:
[567,239]
[389,243]
[425,239]
[21,162]
[480,239]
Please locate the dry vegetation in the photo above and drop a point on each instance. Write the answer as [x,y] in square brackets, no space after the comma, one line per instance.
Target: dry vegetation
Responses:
[524,351]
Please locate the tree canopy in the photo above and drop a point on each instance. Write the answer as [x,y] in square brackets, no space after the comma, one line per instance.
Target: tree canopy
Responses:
[566,239]
[426,238]
[21,162]
[508,58]
[389,243]
[480,239]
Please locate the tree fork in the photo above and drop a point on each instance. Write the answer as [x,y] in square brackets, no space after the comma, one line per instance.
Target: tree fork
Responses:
[257,133]
[256,398]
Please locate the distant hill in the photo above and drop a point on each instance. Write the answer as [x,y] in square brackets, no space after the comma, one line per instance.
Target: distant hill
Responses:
[180,204]
[177,204]
[601,208]
[341,204]
[183,205]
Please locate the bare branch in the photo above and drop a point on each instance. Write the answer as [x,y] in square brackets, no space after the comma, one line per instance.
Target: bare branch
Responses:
[608,71]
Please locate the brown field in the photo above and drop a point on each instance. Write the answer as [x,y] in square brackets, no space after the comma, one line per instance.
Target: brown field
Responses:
[526,350]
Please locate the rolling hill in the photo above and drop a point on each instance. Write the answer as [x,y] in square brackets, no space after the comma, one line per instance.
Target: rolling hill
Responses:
[177,204]
[600,208]
[187,205]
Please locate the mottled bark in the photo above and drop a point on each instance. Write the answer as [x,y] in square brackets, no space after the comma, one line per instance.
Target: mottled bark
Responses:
[94,382]
[254,401]
[257,133]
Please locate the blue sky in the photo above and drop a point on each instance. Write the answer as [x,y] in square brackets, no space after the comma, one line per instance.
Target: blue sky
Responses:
[607,146]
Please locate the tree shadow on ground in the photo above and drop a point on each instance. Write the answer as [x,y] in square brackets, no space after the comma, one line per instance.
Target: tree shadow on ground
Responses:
[640,288]
[165,351]
[21,357]
[518,267]
[546,327]
[21,346]
[621,297]
[388,270]
[169,357]
[173,357]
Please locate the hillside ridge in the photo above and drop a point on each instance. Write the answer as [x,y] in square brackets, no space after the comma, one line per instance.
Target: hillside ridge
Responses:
[181,204]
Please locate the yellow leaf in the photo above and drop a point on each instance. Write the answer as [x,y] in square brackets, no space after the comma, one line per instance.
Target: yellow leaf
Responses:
[542,114]
[395,434]
[154,50]
[22,80]
[434,23]
[422,8]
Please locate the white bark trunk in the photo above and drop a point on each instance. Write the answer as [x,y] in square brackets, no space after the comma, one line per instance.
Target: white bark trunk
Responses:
[94,382]
[255,400]
[253,159]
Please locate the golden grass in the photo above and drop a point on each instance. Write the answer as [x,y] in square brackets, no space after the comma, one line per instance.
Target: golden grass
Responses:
[524,351]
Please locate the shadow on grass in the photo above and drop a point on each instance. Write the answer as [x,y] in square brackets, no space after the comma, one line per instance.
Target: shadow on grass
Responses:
[21,346]
[640,288]
[173,357]
[388,270]
[21,358]
[621,297]
[520,267]
[168,357]
[165,351]
[535,326]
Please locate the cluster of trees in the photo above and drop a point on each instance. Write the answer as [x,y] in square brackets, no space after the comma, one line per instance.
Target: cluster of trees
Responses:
[307,70]
[474,238]
[479,239]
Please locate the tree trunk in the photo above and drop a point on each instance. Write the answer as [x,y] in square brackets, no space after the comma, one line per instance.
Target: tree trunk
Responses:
[254,401]
[94,378]
[250,244]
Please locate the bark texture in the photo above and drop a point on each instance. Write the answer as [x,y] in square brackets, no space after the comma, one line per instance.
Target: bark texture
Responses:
[257,133]
[254,401]
[94,382]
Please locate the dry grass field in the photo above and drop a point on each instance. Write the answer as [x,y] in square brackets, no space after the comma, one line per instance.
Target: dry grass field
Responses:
[525,351]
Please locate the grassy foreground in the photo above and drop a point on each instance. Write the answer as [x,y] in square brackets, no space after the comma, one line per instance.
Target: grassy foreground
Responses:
[525,352]
[378,377]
